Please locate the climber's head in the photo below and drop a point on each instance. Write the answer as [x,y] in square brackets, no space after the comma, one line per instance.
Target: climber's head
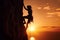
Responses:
[29,6]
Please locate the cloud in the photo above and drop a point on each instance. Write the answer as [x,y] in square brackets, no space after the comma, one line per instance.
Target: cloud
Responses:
[47,7]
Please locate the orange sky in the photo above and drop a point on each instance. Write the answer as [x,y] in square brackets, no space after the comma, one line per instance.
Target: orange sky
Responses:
[46,15]
[45,12]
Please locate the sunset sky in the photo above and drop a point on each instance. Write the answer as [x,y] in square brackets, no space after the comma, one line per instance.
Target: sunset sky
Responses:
[45,12]
[46,15]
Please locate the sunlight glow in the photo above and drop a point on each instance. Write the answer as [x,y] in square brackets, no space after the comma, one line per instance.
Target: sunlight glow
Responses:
[31,28]
[32,38]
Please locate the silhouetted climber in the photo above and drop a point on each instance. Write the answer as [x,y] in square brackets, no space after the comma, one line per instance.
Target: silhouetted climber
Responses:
[29,16]
[30,19]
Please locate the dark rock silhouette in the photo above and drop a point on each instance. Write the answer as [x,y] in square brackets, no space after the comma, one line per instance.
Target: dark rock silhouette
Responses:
[11,20]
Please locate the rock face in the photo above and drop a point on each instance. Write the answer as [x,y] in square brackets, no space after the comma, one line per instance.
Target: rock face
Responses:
[11,21]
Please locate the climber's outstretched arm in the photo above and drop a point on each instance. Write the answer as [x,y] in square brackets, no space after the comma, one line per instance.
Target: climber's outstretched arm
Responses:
[25,8]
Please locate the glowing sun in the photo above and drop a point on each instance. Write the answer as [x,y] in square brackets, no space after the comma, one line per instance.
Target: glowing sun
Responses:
[32,38]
